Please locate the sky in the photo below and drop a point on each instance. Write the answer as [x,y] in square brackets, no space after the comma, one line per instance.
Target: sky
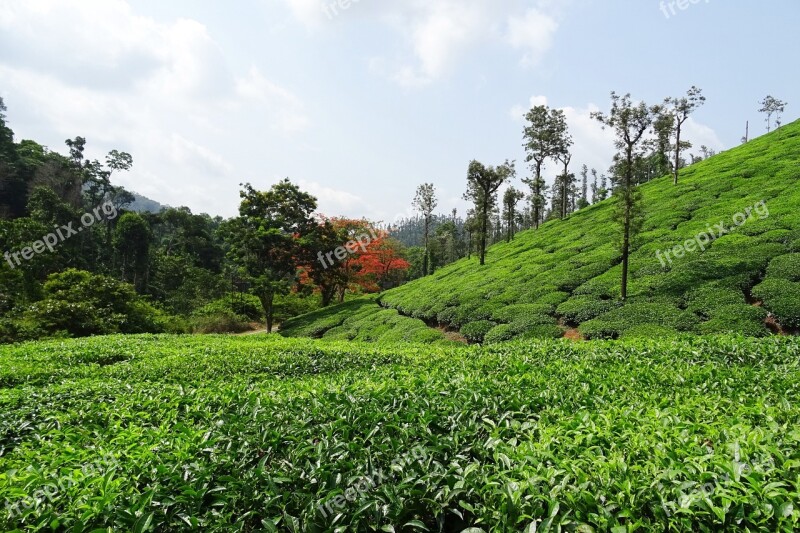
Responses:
[361,101]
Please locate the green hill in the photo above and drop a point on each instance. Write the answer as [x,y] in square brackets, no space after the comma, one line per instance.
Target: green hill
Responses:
[746,279]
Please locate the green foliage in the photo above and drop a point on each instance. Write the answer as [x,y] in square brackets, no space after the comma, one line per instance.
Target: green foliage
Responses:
[216,433]
[785,267]
[360,319]
[738,318]
[576,263]
[615,323]
[78,303]
[583,308]
[476,331]
[246,306]
[782,298]
[220,321]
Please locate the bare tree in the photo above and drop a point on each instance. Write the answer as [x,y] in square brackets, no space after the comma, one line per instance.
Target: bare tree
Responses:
[425,202]
[772,106]
[682,108]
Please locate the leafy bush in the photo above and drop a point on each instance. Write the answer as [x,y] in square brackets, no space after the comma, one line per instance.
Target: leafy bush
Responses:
[220,322]
[476,331]
[500,333]
[785,267]
[649,331]
[706,300]
[744,319]
[245,306]
[582,308]
[513,312]
[543,331]
[782,298]
[614,324]
[78,303]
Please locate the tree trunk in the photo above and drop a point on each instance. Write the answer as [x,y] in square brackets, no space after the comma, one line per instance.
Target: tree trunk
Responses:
[484,224]
[267,301]
[536,194]
[626,237]
[677,152]
[425,259]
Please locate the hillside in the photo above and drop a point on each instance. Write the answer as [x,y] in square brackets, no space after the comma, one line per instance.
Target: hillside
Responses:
[743,277]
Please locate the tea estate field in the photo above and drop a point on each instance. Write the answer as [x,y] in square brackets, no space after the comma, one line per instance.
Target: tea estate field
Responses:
[262,433]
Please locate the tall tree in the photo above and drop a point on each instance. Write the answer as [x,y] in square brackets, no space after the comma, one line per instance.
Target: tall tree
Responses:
[567,182]
[482,185]
[510,200]
[425,202]
[131,241]
[682,108]
[583,201]
[545,136]
[265,239]
[772,106]
[630,122]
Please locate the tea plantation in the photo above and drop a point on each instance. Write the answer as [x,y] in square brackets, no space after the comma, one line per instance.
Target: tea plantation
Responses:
[260,433]
[567,273]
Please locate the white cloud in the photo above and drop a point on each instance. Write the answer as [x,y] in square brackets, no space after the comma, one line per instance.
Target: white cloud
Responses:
[518,112]
[437,34]
[533,32]
[162,91]
[333,202]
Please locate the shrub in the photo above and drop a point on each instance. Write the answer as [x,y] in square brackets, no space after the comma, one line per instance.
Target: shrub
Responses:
[579,309]
[743,319]
[246,306]
[781,297]
[500,333]
[785,267]
[78,303]
[543,332]
[476,331]
[220,322]
[706,300]
[615,323]
[513,312]
[649,331]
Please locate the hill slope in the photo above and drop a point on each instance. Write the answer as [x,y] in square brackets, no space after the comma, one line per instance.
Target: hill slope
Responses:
[567,273]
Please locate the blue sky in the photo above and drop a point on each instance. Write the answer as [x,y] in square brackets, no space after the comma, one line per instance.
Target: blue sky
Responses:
[362,106]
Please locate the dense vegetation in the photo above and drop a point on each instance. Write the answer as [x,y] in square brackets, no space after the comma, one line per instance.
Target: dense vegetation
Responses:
[567,272]
[263,433]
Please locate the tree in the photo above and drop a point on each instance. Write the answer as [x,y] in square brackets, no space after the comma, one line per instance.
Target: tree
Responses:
[567,181]
[132,238]
[510,200]
[681,109]
[545,136]
[772,106]
[425,202]
[664,126]
[583,201]
[482,185]
[264,239]
[629,122]
[382,266]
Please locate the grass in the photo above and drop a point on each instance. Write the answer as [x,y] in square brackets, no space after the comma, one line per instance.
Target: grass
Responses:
[570,270]
[263,433]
